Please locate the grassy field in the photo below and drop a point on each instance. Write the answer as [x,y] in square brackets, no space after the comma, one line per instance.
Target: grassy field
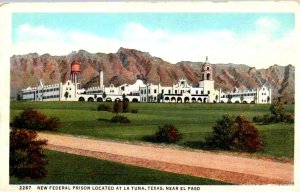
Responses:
[195,121]
[64,168]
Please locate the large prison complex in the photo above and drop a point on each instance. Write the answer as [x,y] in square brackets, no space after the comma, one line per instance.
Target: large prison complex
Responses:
[180,92]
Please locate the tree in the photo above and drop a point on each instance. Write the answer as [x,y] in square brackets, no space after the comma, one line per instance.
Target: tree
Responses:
[216,98]
[268,99]
[150,98]
[66,95]
[242,98]
[125,106]
[19,98]
[117,107]
[277,111]
[229,98]
[103,95]
[158,97]
[26,157]
[255,98]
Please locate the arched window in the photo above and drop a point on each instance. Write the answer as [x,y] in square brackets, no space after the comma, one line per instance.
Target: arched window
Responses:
[207,76]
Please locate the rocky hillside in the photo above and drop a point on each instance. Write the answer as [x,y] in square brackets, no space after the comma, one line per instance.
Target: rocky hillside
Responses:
[128,65]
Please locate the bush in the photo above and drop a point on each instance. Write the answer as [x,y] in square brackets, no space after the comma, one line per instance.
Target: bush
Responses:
[223,132]
[103,107]
[289,118]
[134,110]
[234,133]
[278,114]
[52,124]
[26,158]
[168,134]
[34,120]
[257,119]
[266,119]
[120,119]
[246,137]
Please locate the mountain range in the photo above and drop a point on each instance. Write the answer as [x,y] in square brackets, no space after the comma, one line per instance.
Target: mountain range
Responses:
[128,65]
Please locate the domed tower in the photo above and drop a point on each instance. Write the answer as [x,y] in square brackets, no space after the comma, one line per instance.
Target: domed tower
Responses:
[75,71]
[206,70]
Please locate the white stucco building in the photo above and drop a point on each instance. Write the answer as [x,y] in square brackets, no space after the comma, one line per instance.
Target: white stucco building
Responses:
[180,92]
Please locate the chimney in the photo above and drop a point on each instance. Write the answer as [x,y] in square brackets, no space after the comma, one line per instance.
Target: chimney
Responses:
[101,79]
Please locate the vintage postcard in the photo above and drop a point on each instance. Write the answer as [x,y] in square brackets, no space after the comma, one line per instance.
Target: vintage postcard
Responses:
[164,96]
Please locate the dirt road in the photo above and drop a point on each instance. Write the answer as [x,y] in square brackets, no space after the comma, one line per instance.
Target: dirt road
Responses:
[222,167]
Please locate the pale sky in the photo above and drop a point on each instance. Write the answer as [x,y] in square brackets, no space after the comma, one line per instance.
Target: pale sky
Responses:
[255,39]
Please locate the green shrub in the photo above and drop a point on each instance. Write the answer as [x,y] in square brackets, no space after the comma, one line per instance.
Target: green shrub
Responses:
[134,110]
[278,114]
[234,133]
[34,120]
[120,119]
[103,107]
[277,111]
[266,119]
[52,124]
[26,157]
[223,133]
[257,119]
[288,118]
[168,134]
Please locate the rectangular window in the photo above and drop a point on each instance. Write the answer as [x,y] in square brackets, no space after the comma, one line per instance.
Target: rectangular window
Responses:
[197,92]
[149,91]
[175,91]
[169,91]
[202,92]
[162,91]
[154,90]
[208,92]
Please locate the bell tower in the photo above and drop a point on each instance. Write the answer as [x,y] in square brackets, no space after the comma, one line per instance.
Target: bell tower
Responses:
[206,71]
[206,80]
